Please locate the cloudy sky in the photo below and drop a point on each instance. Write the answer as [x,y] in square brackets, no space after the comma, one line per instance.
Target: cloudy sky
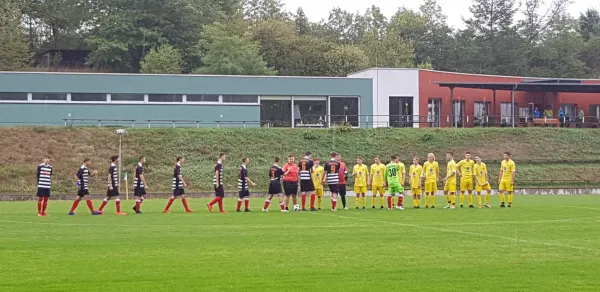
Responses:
[319,9]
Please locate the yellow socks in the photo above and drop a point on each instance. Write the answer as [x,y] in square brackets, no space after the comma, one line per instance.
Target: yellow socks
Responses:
[479,199]
[487,197]
[374,200]
[453,198]
[448,199]
[502,198]
[319,202]
[471,199]
[462,198]
[510,198]
[357,200]
[432,200]
[364,201]
[381,200]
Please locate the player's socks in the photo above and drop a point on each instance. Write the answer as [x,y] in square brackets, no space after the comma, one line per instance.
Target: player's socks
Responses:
[427,200]
[169,203]
[118,204]
[312,200]
[449,199]
[39,204]
[357,200]
[103,205]
[373,200]
[400,200]
[239,205]
[90,205]
[138,205]
[471,199]
[215,200]
[381,201]
[432,200]
[319,202]
[185,205]
[479,199]
[44,206]
[510,198]
[74,206]
[333,204]
[487,197]
[462,198]
[389,201]
[453,199]
[266,205]
[502,198]
[303,201]
[247,203]
[364,201]
[343,201]
[220,202]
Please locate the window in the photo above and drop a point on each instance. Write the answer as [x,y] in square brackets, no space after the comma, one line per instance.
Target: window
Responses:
[401,112]
[165,98]
[240,98]
[434,107]
[49,96]
[570,110]
[13,96]
[310,113]
[88,97]
[344,110]
[506,112]
[276,113]
[481,111]
[458,111]
[127,97]
[202,98]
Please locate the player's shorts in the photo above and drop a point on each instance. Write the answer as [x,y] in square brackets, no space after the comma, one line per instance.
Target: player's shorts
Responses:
[112,193]
[219,192]
[319,192]
[431,186]
[290,188]
[139,191]
[450,187]
[178,192]
[43,192]
[243,194]
[342,190]
[334,188]
[378,190]
[307,186]
[479,188]
[416,191]
[466,184]
[506,186]
[275,187]
[81,193]
[395,189]
[360,189]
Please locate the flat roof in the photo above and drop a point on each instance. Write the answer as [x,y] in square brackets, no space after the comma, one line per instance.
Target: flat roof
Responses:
[573,86]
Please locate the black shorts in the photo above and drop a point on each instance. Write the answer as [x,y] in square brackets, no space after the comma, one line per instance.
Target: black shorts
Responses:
[334,188]
[219,192]
[290,188]
[81,193]
[43,192]
[307,186]
[342,190]
[275,187]
[113,193]
[243,194]
[139,191]
[178,192]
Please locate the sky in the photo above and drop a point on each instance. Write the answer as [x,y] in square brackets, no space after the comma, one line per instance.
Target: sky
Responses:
[454,9]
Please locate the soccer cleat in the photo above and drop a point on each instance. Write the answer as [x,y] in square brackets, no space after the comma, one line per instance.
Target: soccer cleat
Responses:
[333,210]
[447,206]
[452,207]
[432,207]
[121,214]
[426,207]
[313,209]
[414,207]
[209,206]
[238,210]
[461,206]
[45,214]
[97,213]
[223,212]
[265,210]
[303,210]
[418,207]
[287,208]
[100,212]
[247,210]
[346,208]
[382,207]
[471,206]
[40,215]
[357,208]
[364,208]
[502,206]
[285,211]
[319,209]
[373,207]
[487,205]
[166,211]
[71,213]
[509,205]
[480,207]
[133,208]
[139,213]
[189,211]
[390,209]
[399,208]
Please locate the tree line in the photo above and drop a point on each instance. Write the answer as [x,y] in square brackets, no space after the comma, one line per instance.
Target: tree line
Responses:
[259,37]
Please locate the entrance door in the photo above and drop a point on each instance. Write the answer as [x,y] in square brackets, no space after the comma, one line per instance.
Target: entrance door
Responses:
[401,111]
[434,108]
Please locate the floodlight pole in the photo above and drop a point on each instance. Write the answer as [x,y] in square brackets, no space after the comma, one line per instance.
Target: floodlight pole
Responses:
[120,133]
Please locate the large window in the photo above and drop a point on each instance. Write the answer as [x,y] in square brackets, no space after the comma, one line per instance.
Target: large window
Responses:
[344,110]
[88,96]
[310,113]
[165,98]
[276,112]
[138,97]
[401,111]
[482,110]
[434,108]
[202,98]
[506,112]
[5,96]
[458,113]
[240,98]
[49,96]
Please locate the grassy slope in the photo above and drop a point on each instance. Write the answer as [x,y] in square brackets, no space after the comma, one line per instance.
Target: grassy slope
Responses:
[23,148]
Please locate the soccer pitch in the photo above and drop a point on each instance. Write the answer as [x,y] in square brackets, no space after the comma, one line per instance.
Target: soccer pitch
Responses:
[543,243]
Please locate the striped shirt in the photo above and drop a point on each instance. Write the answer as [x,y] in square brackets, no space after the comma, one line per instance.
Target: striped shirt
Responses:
[243,178]
[137,180]
[177,183]
[83,176]
[332,168]
[275,173]
[113,171]
[306,167]
[44,174]
[219,168]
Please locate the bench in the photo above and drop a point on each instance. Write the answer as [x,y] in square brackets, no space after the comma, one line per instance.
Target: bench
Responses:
[546,121]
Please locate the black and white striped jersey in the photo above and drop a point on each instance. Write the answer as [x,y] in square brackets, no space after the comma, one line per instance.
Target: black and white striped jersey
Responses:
[332,168]
[83,176]
[137,180]
[113,171]
[44,176]
[243,178]
[306,168]
[218,181]
[177,183]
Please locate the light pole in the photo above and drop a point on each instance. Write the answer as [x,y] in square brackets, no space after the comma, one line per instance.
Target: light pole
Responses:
[120,133]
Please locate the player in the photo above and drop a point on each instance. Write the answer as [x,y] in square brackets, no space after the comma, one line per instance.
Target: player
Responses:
[82,180]
[139,185]
[317,177]
[275,174]
[178,187]
[465,170]
[431,174]
[360,172]
[401,180]
[218,185]
[306,184]
[392,170]
[416,178]
[44,182]
[243,181]
[506,179]
[343,179]
[332,177]
[482,183]
[377,181]
[450,181]
[113,186]
[290,182]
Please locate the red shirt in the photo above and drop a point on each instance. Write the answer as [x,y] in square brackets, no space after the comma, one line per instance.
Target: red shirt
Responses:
[292,176]
[343,173]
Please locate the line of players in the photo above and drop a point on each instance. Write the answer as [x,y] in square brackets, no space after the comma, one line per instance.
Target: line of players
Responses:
[312,176]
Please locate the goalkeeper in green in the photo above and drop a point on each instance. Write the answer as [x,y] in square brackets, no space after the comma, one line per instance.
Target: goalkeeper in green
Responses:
[392,170]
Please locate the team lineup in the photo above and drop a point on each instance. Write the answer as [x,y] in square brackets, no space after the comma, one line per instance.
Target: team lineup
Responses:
[310,176]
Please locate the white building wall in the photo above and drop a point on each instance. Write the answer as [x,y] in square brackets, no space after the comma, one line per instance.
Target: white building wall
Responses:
[391,82]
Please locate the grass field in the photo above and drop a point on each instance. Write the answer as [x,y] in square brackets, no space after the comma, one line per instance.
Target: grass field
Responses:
[543,243]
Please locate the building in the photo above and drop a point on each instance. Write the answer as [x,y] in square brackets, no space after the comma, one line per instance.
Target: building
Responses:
[72,59]
[182,100]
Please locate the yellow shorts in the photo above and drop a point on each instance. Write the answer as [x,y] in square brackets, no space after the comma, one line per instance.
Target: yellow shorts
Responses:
[416,191]
[378,190]
[360,190]
[506,186]
[479,188]
[466,185]
[430,186]
[319,192]
[450,187]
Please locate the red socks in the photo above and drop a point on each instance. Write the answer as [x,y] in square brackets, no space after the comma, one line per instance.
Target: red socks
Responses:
[218,200]
[169,204]
[312,201]
[118,203]
[333,204]
[75,204]
[247,203]
[266,205]
[103,205]
[138,205]
[400,200]
[303,201]
[282,206]
[185,205]
[39,204]
[214,201]
[45,205]
[239,205]
[389,202]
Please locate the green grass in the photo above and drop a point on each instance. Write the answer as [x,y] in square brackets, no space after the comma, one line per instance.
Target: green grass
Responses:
[543,243]
[23,149]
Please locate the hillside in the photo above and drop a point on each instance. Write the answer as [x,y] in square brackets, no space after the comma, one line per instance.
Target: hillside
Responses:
[541,154]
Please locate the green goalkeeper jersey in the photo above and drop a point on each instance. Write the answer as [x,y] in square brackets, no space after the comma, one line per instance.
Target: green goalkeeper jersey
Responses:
[392,171]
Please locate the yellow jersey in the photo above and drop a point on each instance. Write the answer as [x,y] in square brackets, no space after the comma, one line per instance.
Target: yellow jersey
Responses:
[416,173]
[317,176]
[480,170]
[507,168]
[431,170]
[450,169]
[378,173]
[360,172]
[466,169]
[402,175]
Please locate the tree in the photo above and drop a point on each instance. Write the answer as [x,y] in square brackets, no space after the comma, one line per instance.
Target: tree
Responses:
[491,17]
[437,43]
[375,20]
[256,10]
[409,26]
[591,56]
[345,59]
[230,54]
[302,22]
[164,60]
[14,54]
[536,23]
[388,50]
[346,27]
[589,24]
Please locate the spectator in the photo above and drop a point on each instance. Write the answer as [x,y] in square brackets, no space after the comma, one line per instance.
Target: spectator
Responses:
[536,113]
[581,115]
[562,117]
[548,113]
